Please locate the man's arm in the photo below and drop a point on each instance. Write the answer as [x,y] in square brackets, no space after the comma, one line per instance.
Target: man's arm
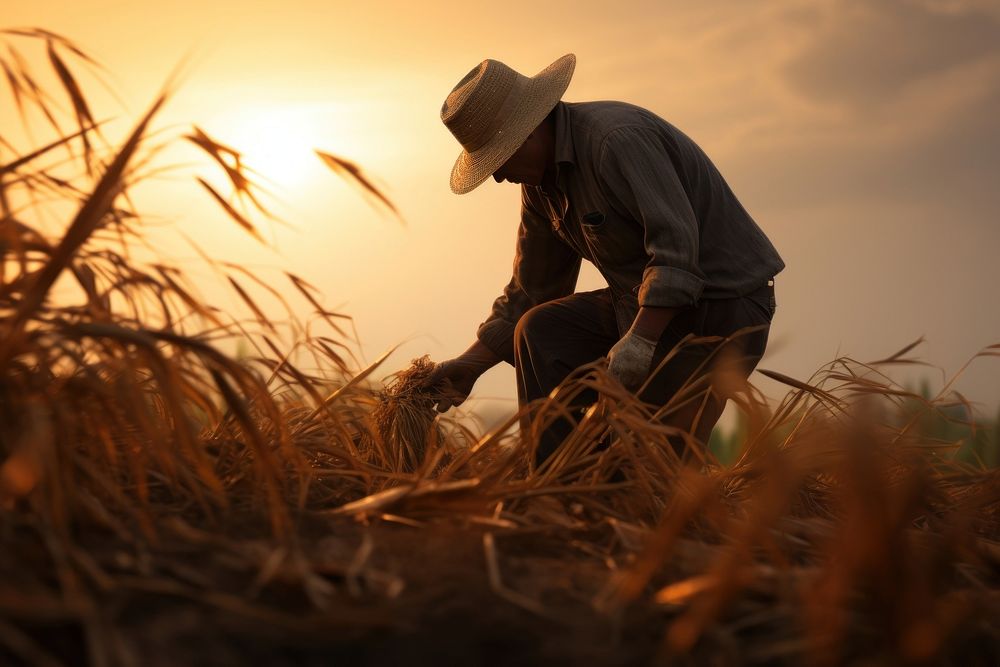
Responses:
[639,178]
[545,268]
[653,320]
[455,378]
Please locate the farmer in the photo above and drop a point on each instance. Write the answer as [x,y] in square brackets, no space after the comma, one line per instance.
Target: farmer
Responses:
[616,185]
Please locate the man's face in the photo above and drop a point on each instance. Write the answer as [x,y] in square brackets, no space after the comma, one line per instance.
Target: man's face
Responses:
[528,163]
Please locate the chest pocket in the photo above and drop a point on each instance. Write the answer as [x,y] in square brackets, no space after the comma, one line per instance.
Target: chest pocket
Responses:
[612,240]
[593,220]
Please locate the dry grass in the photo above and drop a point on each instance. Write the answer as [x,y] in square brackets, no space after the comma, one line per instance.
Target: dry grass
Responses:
[405,416]
[162,502]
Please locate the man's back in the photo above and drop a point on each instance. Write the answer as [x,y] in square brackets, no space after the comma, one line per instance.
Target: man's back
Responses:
[640,199]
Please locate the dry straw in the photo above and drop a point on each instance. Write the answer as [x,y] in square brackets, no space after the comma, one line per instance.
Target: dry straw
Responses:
[405,416]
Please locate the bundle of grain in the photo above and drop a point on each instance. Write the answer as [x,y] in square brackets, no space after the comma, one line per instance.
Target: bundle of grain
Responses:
[405,417]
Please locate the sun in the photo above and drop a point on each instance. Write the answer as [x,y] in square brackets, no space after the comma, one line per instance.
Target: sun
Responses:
[278,144]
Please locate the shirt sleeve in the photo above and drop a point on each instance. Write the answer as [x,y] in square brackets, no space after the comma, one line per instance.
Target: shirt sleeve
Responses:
[545,268]
[639,177]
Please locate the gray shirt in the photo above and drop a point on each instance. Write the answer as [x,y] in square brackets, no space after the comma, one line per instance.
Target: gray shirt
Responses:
[639,199]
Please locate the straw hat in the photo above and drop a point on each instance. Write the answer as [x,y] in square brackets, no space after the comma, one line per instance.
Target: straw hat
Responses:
[492,111]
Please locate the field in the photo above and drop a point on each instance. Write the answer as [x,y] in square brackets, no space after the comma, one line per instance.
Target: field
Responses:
[166,502]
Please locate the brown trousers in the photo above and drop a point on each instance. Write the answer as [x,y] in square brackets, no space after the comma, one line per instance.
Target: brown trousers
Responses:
[555,338]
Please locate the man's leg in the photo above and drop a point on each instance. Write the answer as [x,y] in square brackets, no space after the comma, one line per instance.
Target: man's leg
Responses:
[696,376]
[551,341]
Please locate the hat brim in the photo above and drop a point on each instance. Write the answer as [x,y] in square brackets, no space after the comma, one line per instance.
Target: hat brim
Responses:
[542,93]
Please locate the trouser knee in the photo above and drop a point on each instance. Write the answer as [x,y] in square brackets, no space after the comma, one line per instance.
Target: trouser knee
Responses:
[533,329]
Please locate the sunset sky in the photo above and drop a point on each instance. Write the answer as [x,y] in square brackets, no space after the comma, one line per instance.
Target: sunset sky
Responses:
[863,137]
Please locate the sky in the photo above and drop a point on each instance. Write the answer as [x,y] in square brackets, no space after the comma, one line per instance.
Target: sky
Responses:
[863,137]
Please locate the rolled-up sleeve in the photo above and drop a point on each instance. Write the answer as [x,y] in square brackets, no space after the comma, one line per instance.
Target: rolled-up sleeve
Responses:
[637,175]
[545,268]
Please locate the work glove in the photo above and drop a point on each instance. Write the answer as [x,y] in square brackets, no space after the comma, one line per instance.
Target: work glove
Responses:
[453,379]
[631,359]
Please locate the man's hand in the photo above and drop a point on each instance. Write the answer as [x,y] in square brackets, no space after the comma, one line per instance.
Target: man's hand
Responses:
[630,360]
[454,378]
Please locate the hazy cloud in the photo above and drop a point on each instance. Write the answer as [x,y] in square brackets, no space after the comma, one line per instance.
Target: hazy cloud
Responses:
[866,51]
[892,100]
